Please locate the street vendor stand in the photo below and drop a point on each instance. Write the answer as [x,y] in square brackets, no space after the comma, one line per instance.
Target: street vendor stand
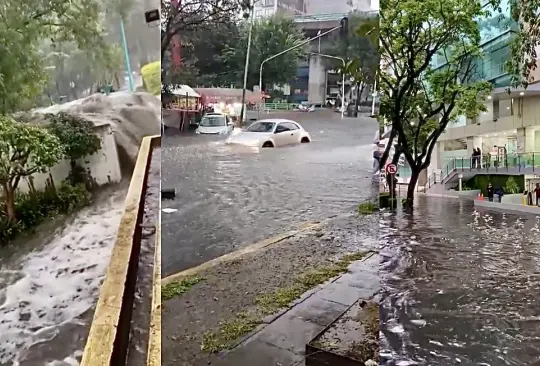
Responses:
[181,108]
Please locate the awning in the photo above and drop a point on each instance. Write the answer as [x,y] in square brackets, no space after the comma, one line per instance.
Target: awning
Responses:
[185,90]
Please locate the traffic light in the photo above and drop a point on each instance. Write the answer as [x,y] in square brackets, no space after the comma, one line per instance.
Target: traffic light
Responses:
[344,30]
[152,16]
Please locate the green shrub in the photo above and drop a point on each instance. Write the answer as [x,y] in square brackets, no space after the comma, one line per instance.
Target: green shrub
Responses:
[367,208]
[151,74]
[511,186]
[33,208]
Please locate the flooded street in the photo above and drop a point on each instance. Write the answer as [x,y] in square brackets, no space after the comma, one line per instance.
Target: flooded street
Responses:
[48,287]
[460,286]
[228,197]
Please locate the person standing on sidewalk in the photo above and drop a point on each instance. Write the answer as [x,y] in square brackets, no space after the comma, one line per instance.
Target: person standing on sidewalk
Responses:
[490,192]
[537,194]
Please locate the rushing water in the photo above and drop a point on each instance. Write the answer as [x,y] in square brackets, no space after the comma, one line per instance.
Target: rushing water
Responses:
[47,294]
[461,286]
[228,197]
[49,284]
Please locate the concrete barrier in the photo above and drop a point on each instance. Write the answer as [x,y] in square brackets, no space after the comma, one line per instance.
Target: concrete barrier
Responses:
[507,207]
[108,339]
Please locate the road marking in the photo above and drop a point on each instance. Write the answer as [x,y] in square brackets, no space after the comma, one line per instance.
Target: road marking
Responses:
[239,253]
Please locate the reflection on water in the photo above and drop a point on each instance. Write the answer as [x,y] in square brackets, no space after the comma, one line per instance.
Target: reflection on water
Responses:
[460,286]
[231,196]
[47,295]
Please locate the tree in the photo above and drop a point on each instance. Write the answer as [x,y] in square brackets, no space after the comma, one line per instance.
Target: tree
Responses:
[187,16]
[269,37]
[360,51]
[420,99]
[24,150]
[24,25]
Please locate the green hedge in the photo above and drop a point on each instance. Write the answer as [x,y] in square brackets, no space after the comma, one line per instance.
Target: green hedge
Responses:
[509,183]
[151,74]
[33,208]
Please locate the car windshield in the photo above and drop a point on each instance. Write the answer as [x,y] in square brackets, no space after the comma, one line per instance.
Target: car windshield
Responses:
[261,127]
[213,121]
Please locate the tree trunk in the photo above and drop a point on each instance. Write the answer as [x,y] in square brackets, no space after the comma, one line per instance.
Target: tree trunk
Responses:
[10,201]
[415,174]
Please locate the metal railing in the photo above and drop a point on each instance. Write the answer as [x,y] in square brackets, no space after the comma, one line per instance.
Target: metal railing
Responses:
[520,162]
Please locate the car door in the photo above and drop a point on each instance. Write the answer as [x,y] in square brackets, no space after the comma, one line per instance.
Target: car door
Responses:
[282,135]
[295,132]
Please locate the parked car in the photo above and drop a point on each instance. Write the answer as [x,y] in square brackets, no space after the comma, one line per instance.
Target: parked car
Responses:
[215,124]
[271,133]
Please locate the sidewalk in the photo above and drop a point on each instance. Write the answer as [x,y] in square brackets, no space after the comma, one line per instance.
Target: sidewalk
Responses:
[283,340]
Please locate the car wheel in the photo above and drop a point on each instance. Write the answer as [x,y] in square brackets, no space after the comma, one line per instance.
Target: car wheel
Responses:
[305,140]
[268,144]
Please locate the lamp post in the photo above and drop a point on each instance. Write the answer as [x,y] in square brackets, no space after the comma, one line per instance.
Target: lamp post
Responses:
[246,66]
[127,61]
[342,79]
[318,36]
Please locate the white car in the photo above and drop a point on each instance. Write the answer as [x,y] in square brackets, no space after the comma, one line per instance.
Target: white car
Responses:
[215,124]
[271,133]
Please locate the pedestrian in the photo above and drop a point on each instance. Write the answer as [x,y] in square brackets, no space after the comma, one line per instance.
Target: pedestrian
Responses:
[500,193]
[537,194]
[490,192]
[478,158]
[473,158]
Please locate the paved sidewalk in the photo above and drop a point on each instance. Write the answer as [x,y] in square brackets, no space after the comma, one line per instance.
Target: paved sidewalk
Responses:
[282,342]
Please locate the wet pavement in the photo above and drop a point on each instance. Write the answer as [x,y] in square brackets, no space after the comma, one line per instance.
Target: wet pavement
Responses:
[142,304]
[283,342]
[460,286]
[227,198]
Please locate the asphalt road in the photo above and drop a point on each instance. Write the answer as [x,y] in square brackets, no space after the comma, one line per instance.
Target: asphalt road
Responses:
[227,198]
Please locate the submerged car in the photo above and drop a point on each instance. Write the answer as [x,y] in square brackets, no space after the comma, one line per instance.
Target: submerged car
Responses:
[215,124]
[271,133]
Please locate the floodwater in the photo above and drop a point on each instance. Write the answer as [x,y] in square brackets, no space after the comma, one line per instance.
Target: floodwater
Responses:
[49,286]
[227,197]
[460,286]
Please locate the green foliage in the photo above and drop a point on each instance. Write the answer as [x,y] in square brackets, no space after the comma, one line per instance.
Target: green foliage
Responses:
[269,37]
[151,74]
[26,149]
[33,208]
[76,135]
[24,26]
[510,184]
[367,208]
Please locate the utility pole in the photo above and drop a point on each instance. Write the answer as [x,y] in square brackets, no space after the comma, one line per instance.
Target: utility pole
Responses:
[246,66]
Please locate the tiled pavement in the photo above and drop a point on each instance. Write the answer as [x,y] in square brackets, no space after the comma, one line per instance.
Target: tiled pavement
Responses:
[282,342]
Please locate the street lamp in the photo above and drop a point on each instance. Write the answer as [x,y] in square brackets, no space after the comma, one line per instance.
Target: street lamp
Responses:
[342,79]
[246,66]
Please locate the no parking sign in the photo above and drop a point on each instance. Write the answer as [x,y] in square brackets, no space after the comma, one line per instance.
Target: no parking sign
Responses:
[391,169]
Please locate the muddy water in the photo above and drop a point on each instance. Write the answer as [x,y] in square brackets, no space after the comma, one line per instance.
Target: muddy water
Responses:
[48,287]
[229,197]
[460,286]
[142,307]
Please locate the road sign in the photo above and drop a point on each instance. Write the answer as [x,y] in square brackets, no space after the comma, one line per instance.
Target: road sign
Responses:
[391,169]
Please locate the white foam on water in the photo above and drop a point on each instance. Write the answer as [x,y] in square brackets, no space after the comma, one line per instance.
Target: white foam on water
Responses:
[57,283]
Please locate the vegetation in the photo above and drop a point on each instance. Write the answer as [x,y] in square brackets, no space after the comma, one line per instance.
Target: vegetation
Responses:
[151,74]
[509,184]
[360,51]
[418,98]
[367,208]
[178,288]
[268,304]
[26,150]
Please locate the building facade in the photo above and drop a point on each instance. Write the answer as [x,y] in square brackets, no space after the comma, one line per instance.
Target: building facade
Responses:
[512,119]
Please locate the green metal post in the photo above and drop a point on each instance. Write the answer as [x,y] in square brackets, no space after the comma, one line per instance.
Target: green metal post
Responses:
[126,56]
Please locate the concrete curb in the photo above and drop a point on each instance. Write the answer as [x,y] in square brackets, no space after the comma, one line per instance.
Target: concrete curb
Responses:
[107,326]
[239,253]
[507,207]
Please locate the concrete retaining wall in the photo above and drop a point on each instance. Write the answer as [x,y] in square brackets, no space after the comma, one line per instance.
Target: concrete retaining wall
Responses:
[104,165]
[109,332]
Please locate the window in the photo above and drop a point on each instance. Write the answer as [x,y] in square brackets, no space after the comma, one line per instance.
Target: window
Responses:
[282,127]
[213,121]
[291,126]
[268,2]
[261,127]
